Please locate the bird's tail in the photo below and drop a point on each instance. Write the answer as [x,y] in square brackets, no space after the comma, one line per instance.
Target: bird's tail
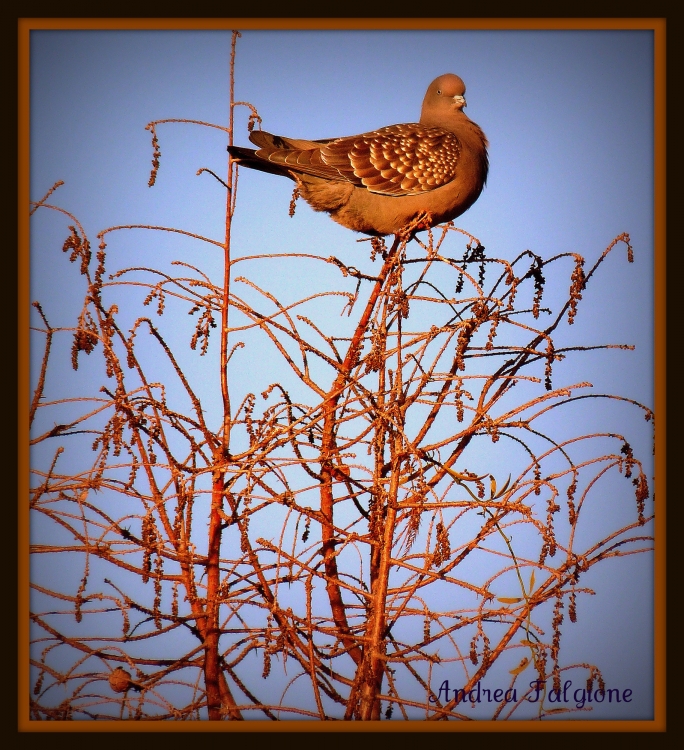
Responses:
[247,157]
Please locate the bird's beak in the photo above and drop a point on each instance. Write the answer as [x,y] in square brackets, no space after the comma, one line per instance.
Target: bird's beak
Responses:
[459,101]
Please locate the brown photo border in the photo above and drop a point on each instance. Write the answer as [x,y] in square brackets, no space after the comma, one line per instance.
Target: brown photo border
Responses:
[658,26]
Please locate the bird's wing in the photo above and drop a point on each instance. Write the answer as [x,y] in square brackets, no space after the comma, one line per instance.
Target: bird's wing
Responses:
[407,159]
[296,155]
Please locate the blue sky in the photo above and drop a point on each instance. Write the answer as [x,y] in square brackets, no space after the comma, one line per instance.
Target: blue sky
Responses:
[569,117]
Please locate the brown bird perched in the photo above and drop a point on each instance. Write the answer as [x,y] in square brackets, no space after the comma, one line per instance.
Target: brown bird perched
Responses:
[378,182]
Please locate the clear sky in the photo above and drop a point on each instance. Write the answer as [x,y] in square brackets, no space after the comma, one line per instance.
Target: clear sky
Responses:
[569,117]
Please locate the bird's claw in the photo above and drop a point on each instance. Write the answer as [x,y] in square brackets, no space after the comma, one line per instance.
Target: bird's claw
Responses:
[422,221]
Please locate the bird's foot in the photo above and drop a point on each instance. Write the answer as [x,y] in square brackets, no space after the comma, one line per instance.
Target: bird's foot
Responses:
[424,220]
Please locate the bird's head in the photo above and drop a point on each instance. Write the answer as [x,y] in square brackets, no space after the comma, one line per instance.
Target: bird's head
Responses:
[445,95]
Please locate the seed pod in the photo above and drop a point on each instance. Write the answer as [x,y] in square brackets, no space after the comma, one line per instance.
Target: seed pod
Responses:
[120,680]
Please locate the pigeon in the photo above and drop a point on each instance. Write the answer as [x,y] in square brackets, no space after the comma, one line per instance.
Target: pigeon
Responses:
[379,182]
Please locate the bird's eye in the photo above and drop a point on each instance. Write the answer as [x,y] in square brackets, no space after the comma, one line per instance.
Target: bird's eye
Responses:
[439,91]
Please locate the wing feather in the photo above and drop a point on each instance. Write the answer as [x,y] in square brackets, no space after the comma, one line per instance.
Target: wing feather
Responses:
[397,160]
